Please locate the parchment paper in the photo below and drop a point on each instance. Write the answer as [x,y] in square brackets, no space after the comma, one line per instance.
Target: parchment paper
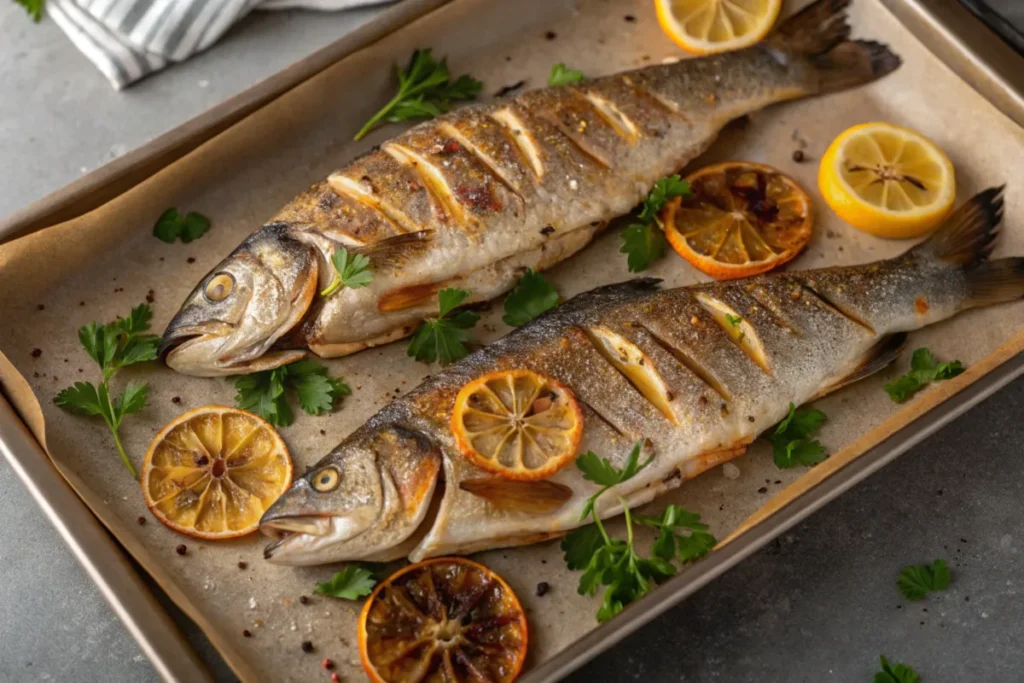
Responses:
[100,265]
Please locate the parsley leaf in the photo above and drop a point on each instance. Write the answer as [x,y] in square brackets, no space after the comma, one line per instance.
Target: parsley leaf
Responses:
[686,547]
[352,271]
[790,444]
[33,7]
[351,583]
[733,320]
[644,242]
[172,225]
[563,75]
[916,581]
[898,673]
[424,91]
[532,296]
[580,545]
[442,338]
[264,393]
[924,368]
[113,346]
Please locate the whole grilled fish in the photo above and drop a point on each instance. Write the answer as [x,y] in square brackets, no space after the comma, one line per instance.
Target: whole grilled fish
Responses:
[666,366]
[472,198]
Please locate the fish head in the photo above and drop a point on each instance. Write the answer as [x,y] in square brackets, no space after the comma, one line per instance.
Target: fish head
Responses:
[360,502]
[236,313]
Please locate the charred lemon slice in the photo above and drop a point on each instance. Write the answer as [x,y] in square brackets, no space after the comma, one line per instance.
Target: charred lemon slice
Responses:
[213,471]
[887,181]
[706,26]
[445,619]
[742,219]
[517,424]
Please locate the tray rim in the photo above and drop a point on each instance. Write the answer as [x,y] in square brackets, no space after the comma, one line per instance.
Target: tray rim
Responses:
[949,31]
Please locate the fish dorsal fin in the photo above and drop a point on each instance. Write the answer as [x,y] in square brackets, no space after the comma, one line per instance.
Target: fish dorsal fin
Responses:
[877,358]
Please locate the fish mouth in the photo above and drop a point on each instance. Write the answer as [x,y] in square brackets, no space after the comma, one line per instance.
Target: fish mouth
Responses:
[182,350]
[300,539]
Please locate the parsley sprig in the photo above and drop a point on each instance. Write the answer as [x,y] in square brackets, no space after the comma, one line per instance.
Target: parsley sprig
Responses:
[351,583]
[350,270]
[917,581]
[790,443]
[532,296]
[113,346]
[643,242]
[264,392]
[924,368]
[171,225]
[443,338]
[33,7]
[563,75]
[425,90]
[614,563]
[896,673]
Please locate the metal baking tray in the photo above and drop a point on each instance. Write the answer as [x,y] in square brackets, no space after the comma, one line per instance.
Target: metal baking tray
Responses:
[962,42]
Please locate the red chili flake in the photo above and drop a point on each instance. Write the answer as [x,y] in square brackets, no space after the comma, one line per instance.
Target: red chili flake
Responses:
[242,565]
[477,197]
[335,678]
[36,353]
[181,549]
[328,664]
[451,147]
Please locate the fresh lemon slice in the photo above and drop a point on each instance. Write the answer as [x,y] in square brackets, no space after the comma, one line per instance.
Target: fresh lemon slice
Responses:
[446,619]
[517,424]
[706,26]
[213,471]
[740,219]
[887,181]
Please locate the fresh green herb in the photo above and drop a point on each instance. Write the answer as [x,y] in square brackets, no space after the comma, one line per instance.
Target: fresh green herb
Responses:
[263,393]
[644,242]
[33,7]
[916,581]
[172,225]
[113,346]
[424,91]
[734,320]
[443,338]
[686,547]
[532,296]
[350,270]
[898,673]
[924,368]
[351,583]
[614,563]
[790,444]
[563,75]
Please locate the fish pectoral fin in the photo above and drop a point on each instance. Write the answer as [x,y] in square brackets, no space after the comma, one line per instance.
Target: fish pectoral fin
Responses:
[878,357]
[521,496]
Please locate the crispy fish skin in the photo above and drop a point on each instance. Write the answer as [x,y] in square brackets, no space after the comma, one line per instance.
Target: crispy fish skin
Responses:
[709,390]
[472,198]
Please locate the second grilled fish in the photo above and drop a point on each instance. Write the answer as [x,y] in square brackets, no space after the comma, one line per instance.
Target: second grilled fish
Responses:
[472,198]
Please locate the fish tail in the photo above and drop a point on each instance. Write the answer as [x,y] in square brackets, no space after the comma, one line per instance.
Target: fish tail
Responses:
[965,240]
[820,33]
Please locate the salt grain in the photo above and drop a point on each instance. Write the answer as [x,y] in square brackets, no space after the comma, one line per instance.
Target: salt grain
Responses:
[252,603]
[730,471]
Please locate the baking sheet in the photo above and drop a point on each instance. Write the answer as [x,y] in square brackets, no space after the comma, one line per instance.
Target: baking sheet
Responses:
[98,266]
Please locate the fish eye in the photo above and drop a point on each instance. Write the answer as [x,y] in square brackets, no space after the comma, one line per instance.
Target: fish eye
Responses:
[327,479]
[219,286]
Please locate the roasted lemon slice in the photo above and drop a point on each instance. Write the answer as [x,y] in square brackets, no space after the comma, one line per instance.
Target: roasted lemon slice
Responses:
[742,219]
[706,26]
[887,181]
[445,619]
[213,471]
[517,424]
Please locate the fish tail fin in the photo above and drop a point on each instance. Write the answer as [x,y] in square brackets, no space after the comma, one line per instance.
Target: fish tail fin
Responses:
[965,240]
[820,33]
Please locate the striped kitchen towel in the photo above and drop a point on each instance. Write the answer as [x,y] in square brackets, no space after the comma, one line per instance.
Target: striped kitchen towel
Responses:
[128,39]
